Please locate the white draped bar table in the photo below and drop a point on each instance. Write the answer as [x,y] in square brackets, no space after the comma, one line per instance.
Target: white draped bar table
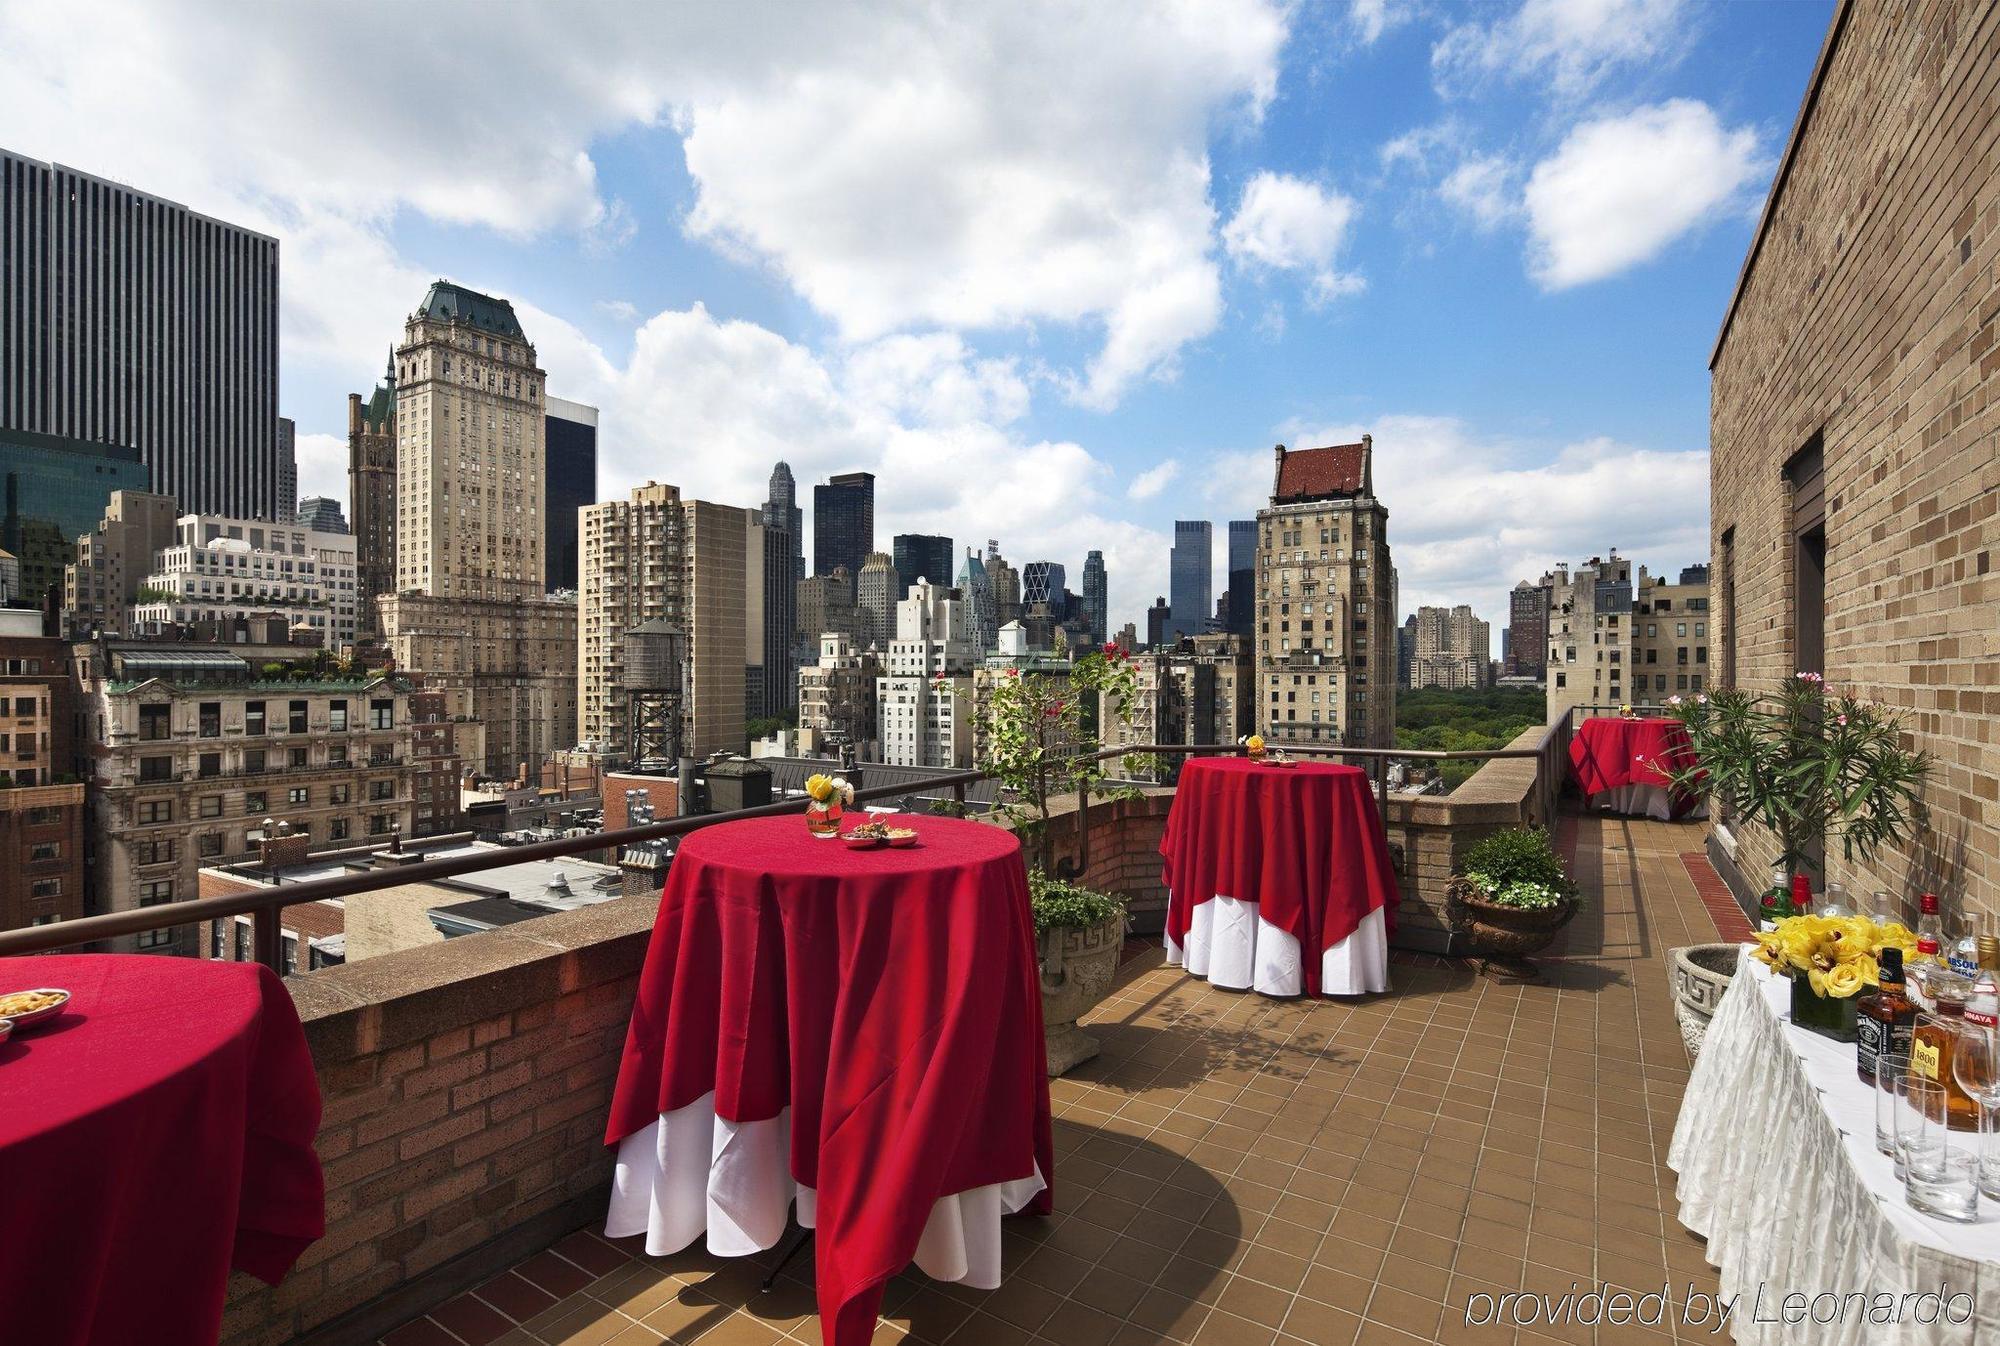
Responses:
[1775,1149]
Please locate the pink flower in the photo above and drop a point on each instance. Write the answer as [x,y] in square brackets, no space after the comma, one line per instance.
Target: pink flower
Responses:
[1111,649]
[1840,719]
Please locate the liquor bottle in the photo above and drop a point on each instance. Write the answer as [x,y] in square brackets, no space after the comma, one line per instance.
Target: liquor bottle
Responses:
[1885,1019]
[1929,922]
[1801,895]
[1932,1043]
[1882,907]
[1776,904]
[1963,957]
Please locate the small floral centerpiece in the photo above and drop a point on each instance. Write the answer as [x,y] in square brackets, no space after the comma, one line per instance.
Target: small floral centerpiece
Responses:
[1831,960]
[1253,745]
[1626,712]
[829,795]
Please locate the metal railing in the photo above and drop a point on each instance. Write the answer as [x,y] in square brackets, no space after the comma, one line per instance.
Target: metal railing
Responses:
[265,906]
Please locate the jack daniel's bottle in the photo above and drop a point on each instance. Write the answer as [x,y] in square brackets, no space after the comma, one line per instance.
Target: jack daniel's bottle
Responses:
[1885,1020]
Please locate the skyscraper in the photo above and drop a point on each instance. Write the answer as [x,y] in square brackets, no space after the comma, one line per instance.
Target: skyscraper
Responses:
[286,505]
[1096,598]
[1158,618]
[1006,582]
[132,320]
[322,513]
[923,694]
[1242,576]
[976,587]
[843,522]
[921,556]
[1527,653]
[875,600]
[621,542]
[371,495]
[52,491]
[771,670]
[1454,649]
[1044,582]
[1190,578]
[569,484]
[781,510]
[470,608]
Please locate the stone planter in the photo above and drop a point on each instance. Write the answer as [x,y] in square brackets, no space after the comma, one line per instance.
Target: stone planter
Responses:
[1077,968]
[1701,973]
[1503,934]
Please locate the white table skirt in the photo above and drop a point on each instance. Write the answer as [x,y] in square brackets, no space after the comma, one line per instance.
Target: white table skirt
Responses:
[692,1173]
[1775,1148]
[1230,944]
[1644,801]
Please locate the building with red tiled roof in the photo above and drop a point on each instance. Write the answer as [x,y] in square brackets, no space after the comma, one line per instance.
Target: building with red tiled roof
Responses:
[1325,623]
[1329,473]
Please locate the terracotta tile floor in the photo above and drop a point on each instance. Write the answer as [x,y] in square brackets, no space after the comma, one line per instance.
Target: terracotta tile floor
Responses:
[1239,1170]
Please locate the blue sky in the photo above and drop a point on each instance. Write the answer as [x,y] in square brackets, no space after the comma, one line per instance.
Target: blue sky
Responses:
[1058,274]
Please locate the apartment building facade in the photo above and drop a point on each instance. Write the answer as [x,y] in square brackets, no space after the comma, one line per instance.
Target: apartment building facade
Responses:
[924,697]
[196,756]
[219,567]
[1326,643]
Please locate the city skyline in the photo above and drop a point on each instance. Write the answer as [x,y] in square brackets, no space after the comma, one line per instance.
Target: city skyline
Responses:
[706,297]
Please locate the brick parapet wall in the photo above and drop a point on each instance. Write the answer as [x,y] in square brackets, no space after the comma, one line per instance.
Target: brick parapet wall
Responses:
[465,1088]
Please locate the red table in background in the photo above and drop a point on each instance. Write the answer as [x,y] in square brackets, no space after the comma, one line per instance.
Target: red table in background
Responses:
[153,1136]
[859,1032]
[1617,764]
[1278,878]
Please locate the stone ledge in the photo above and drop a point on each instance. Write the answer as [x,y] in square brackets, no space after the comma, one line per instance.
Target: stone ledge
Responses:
[363,1008]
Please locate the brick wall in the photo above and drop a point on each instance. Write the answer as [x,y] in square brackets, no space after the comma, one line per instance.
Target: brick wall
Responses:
[455,1139]
[1870,315]
[1124,851]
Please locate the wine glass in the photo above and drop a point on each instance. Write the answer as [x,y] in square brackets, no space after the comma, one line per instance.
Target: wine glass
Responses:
[1975,1062]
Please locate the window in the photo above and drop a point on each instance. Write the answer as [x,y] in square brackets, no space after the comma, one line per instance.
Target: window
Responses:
[156,811]
[1806,475]
[253,802]
[336,829]
[1681,630]
[155,720]
[253,717]
[381,714]
[156,768]
[210,844]
[210,719]
[156,891]
[339,794]
[209,764]
[295,758]
[298,795]
[379,825]
[154,852]
[45,889]
[336,755]
[45,850]
[336,716]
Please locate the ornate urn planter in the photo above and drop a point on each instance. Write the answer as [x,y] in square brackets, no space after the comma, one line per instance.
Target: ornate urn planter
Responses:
[1507,935]
[1077,967]
[1701,973]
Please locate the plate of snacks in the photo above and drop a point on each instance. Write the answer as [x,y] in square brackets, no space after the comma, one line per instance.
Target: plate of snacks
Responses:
[866,837]
[901,837]
[27,1008]
[1280,759]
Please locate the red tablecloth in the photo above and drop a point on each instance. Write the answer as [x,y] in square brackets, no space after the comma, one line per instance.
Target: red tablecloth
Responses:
[1304,842]
[1611,752]
[152,1137]
[889,998]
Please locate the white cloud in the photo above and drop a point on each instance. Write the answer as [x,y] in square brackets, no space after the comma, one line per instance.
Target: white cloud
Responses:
[1286,223]
[1619,189]
[1371,18]
[1471,513]
[906,170]
[1153,480]
[619,310]
[1483,187]
[322,461]
[1567,46]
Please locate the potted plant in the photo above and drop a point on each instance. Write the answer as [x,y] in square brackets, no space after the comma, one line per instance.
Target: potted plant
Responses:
[1805,765]
[1831,960]
[1511,896]
[1081,933]
[1042,734]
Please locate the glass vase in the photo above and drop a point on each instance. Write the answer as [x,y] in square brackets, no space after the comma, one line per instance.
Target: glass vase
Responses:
[1829,1016]
[823,820]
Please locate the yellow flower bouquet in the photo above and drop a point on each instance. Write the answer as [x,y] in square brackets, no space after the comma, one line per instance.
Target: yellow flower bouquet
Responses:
[1831,960]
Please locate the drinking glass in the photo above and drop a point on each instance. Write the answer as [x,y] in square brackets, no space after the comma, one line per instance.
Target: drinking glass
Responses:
[1891,1069]
[1975,1060]
[1941,1174]
[1914,1146]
